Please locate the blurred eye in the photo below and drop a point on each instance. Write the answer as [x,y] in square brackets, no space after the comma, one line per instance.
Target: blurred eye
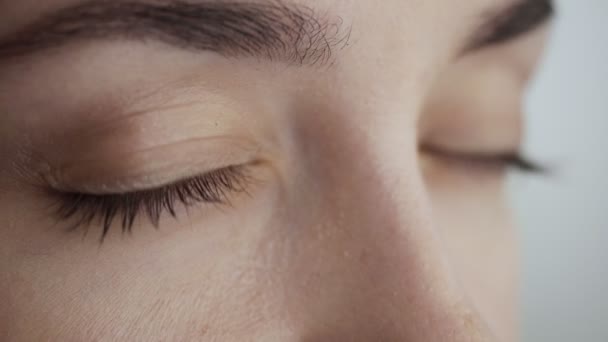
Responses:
[485,161]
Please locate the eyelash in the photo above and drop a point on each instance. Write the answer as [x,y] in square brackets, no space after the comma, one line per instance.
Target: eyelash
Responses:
[85,209]
[505,161]
[514,161]
[213,187]
[519,163]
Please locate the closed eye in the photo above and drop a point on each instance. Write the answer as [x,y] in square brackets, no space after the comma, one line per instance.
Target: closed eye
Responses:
[83,210]
[513,160]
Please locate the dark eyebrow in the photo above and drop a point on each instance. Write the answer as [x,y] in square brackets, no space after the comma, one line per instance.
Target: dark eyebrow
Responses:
[272,30]
[511,22]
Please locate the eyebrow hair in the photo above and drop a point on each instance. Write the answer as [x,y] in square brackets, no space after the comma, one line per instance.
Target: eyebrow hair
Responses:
[511,22]
[274,30]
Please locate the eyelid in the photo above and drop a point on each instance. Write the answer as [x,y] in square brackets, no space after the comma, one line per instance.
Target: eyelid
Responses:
[153,167]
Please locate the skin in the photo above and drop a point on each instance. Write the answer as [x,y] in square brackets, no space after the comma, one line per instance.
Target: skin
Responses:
[347,231]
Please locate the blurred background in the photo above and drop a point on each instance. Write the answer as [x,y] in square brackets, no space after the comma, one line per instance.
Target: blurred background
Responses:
[564,217]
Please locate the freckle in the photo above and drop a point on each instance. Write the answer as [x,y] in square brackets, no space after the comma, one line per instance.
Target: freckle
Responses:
[204,330]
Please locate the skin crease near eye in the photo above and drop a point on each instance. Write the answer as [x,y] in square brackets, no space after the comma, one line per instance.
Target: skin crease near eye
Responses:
[264,170]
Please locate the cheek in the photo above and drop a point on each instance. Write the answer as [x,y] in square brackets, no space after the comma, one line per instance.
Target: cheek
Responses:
[480,242]
[191,280]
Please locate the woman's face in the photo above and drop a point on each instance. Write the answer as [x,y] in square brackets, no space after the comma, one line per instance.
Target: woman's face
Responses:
[261,171]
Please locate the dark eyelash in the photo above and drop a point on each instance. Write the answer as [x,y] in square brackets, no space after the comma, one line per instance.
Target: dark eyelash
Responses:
[513,161]
[522,164]
[85,209]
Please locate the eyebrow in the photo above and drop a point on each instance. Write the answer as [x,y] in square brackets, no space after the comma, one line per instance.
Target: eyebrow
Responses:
[511,22]
[274,30]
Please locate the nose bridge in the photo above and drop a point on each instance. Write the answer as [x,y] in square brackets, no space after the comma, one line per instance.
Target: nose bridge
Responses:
[366,261]
[365,173]
[362,180]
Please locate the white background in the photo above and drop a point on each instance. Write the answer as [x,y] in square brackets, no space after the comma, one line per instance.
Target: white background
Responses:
[564,217]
